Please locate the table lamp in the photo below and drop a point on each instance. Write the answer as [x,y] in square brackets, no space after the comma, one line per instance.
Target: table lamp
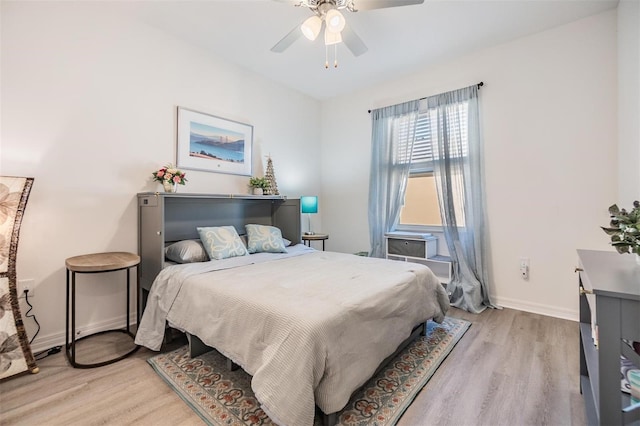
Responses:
[309,205]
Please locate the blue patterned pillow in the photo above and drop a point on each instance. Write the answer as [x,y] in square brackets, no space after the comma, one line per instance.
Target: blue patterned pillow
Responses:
[222,242]
[264,239]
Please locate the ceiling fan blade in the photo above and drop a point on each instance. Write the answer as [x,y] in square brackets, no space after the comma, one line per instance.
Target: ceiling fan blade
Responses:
[353,42]
[380,4]
[287,40]
[305,3]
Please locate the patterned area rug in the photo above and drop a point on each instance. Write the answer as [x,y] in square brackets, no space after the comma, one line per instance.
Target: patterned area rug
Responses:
[223,397]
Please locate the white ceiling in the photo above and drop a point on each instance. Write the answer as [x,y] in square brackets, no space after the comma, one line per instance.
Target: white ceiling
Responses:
[400,39]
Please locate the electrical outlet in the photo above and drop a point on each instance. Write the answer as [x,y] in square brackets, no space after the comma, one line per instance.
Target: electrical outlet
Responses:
[524,268]
[25,285]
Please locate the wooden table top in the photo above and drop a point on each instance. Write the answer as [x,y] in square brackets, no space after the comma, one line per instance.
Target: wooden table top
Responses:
[315,236]
[102,262]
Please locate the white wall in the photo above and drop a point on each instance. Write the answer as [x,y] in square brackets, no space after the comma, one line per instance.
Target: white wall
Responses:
[550,128]
[88,109]
[628,102]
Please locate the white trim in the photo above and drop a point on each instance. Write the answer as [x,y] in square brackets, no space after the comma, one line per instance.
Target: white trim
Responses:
[419,228]
[42,343]
[537,308]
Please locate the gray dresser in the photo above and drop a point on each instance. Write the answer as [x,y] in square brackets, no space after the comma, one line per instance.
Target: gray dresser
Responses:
[610,292]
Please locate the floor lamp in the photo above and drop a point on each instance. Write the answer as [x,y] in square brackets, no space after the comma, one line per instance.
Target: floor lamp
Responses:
[309,205]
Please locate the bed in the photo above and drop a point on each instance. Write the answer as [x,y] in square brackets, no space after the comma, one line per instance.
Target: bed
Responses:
[310,327]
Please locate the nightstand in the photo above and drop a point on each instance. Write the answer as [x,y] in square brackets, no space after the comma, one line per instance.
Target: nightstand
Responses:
[93,264]
[314,237]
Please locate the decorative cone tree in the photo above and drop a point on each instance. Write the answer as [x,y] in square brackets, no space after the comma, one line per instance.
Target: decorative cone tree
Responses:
[271,178]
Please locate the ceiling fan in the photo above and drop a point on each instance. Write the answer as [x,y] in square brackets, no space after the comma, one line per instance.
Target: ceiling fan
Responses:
[326,13]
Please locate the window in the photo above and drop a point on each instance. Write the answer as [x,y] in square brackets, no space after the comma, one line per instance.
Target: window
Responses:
[421,202]
[420,208]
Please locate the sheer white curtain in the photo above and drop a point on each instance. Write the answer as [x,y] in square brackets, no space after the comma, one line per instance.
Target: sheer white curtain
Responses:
[453,134]
[393,130]
[457,159]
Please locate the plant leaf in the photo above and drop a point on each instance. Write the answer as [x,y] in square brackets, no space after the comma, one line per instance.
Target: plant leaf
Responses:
[625,220]
[632,230]
[622,248]
[611,231]
[614,210]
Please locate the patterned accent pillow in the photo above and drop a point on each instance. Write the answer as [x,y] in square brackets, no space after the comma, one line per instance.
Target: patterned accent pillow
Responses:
[222,242]
[186,251]
[264,239]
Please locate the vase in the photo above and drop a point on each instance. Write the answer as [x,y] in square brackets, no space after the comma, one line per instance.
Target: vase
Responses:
[258,191]
[169,187]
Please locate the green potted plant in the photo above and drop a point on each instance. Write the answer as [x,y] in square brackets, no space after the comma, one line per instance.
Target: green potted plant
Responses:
[258,184]
[624,229]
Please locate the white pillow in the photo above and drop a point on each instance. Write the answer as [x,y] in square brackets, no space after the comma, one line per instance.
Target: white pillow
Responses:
[186,251]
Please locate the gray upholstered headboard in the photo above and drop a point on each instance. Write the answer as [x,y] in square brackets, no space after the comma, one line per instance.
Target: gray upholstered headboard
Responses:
[164,217]
[184,215]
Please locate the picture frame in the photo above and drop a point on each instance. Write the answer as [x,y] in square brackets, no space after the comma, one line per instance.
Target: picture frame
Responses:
[213,144]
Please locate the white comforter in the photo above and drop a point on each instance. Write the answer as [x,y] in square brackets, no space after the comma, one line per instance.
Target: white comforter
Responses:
[310,327]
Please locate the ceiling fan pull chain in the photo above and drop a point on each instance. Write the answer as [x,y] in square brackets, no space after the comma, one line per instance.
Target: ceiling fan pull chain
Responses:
[335,56]
[326,56]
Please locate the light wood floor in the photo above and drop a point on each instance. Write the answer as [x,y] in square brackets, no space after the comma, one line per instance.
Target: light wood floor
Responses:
[510,368]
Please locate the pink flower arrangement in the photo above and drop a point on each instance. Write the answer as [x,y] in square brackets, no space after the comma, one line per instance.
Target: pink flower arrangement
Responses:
[170,174]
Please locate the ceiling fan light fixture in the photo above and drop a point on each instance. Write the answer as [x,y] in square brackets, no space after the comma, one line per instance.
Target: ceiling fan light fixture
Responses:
[311,27]
[334,20]
[331,37]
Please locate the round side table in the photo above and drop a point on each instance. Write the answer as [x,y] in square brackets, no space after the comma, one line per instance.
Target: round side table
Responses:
[307,238]
[94,264]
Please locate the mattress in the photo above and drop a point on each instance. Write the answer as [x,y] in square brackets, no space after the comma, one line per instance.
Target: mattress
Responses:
[310,327]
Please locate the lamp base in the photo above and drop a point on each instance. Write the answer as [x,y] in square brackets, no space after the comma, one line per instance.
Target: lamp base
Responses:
[309,233]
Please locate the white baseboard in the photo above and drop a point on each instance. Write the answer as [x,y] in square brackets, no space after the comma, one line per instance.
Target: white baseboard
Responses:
[42,343]
[537,308]
[58,339]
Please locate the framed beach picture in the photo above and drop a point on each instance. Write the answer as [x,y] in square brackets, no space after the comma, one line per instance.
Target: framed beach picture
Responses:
[213,144]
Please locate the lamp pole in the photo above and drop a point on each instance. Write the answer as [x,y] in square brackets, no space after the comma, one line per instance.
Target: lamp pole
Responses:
[309,232]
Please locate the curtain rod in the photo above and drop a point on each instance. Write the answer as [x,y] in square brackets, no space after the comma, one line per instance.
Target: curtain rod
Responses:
[479,86]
